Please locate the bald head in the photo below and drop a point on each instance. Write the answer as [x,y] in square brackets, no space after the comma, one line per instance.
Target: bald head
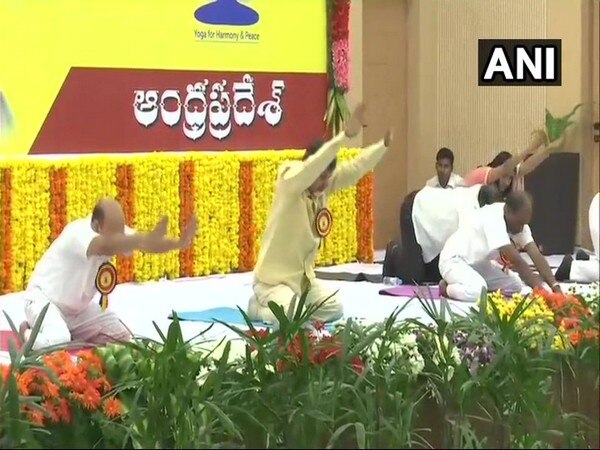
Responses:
[108,217]
[518,208]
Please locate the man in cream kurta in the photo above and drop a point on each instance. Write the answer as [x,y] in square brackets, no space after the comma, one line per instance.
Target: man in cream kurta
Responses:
[290,244]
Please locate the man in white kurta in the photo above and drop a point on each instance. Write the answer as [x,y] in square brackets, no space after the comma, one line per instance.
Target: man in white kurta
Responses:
[65,277]
[469,260]
[428,217]
[289,247]
[585,271]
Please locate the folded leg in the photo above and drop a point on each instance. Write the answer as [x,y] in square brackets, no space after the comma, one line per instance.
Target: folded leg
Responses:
[53,330]
[498,279]
[330,307]
[463,282]
[258,306]
[97,327]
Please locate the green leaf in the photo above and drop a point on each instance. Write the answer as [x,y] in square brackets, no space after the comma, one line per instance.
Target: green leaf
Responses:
[225,421]
[360,434]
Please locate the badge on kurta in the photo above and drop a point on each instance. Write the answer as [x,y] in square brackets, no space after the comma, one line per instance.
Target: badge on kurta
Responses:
[106,280]
[323,222]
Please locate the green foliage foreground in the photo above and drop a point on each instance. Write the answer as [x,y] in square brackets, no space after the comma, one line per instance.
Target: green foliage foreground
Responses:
[513,373]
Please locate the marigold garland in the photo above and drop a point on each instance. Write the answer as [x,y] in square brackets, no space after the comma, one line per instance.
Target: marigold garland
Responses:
[58,201]
[126,196]
[39,197]
[6,283]
[157,195]
[31,227]
[364,218]
[186,197]
[247,232]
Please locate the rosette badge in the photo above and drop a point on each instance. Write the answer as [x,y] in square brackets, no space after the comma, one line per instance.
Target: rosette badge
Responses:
[323,222]
[106,280]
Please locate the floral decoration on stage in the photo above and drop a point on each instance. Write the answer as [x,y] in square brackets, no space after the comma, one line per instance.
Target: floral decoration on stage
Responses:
[338,47]
[230,192]
[491,377]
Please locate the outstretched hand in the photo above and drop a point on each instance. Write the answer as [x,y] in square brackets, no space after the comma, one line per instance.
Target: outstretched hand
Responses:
[160,230]
[356,121]
[540,137]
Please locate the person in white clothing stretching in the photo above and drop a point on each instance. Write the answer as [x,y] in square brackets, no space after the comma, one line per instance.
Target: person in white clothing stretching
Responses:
[586,271]
[481,254]
[65,276]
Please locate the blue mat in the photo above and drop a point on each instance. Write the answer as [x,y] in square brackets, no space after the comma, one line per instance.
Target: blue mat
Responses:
[231,316]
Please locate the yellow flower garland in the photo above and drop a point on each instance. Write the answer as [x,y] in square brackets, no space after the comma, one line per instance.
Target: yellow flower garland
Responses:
[32,209]
[156,194]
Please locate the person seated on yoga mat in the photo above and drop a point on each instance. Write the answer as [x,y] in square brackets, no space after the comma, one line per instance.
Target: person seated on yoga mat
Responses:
[299,223]
[507,171]
[584,271]
[68,275]
[481,254]
[428,217]
[444,166]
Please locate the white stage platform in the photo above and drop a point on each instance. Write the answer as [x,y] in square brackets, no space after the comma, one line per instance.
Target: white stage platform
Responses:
[138,305]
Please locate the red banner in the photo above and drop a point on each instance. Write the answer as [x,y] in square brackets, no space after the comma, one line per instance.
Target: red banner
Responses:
[130,110]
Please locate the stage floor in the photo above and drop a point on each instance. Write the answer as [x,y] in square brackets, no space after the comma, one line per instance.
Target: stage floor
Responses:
[138,305]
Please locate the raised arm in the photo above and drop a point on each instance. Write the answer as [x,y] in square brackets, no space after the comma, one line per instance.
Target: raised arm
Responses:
[509,166]
[153,242]
[349,173]
[300,177]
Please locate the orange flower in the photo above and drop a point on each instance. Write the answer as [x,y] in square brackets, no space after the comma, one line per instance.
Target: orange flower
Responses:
[49,389]
[90,399]
[4,372]
[186,198]
[64,410]
[247,230]
[364,218]
[125,178]
[112,408]
[88,359]
[74,380]
[35,416]
[58,361]
[51,410]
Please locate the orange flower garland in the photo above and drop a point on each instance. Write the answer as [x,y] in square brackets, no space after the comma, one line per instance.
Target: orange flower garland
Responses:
[186,196]
[58,201]
[126,196]
[230,193]
[364,218]
[247,229]
[6,283]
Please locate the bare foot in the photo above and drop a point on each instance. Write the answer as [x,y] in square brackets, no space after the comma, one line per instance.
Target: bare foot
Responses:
[443,288]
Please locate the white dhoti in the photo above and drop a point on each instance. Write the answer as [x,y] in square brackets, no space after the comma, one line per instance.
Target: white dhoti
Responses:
[589,271]
[91,326]
[330,308]
[466,282]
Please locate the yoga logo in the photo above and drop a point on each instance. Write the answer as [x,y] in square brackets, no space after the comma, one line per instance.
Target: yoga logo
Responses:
[520,62]
[226,12]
